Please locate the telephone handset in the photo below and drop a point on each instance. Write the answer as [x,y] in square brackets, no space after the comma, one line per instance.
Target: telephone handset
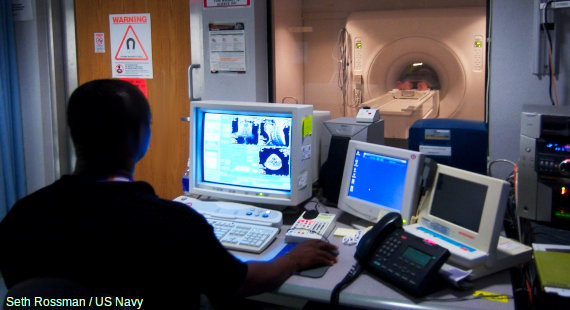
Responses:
[409,262]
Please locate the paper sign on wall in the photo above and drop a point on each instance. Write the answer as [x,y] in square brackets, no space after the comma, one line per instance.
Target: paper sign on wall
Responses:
[140,83]
[227,47]
[225,3]
[131,45]
[99,42]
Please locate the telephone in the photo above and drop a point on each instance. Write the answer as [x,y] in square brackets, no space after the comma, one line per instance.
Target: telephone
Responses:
[409,262]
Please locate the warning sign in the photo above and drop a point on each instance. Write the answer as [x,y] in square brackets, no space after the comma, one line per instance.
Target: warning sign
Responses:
[131,46]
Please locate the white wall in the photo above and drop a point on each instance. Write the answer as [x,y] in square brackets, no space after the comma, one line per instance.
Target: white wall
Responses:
[288,58]
[511,82]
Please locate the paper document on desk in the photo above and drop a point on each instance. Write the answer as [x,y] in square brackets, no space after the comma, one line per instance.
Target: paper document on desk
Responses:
[553,264]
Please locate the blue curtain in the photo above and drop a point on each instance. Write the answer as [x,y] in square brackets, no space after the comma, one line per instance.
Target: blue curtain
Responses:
[12,171]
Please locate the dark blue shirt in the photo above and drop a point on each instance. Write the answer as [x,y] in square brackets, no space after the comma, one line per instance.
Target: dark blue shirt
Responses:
[120,238]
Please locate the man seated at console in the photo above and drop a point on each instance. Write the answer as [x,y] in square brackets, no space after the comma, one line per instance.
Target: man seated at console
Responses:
[100,228]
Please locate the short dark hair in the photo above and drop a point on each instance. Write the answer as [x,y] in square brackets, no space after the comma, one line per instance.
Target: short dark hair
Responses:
[104,116]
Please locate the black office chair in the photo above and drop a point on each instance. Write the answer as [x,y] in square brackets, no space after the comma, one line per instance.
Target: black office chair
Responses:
[57,289]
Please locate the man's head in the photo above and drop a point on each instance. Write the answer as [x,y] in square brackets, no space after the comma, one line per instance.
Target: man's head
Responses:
[109,122]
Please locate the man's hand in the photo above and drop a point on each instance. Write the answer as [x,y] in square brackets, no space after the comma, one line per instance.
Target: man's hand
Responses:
[267,276]
[312,253]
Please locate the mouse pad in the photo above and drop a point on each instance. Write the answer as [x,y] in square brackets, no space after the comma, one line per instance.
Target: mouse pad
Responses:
[316,272]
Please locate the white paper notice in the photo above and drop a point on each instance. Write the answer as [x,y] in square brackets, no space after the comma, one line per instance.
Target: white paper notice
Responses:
[227,47]
[435,150]
[131,46]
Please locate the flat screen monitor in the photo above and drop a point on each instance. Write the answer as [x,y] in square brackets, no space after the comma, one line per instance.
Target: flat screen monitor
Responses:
[251,152]
[379,179]
[465,206]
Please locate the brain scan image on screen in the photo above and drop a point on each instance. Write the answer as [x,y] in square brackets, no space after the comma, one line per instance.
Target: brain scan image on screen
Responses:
[274,161]
[245,130]
[275,132]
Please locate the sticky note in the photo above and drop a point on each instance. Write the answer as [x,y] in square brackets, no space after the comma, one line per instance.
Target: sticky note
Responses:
[307,125]
[341,232]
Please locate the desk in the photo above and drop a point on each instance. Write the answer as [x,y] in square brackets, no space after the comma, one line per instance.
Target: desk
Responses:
[367,292]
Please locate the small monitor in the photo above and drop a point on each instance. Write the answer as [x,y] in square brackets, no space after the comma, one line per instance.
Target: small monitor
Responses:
[379,179]
[465,206]
[251,152]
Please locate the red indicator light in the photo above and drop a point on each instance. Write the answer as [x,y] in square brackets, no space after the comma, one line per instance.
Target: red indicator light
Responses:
[563,190]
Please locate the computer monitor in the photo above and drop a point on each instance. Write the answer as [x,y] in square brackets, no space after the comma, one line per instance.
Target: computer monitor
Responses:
[466,207]
[251,152]
[379,179]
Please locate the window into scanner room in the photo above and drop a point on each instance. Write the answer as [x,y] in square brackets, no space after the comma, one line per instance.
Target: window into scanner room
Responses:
[340,56]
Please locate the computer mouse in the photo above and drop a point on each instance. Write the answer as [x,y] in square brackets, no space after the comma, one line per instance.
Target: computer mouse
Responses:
[311,214]
[334,252]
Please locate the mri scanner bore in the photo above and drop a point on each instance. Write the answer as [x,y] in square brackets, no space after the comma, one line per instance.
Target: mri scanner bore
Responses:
[416,64]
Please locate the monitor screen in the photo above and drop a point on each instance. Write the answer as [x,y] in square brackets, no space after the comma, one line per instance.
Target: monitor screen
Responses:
[454,196]
[388,190]
[250,152]
[378,179]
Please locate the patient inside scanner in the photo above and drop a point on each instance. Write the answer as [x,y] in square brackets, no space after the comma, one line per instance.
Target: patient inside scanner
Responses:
[415,96]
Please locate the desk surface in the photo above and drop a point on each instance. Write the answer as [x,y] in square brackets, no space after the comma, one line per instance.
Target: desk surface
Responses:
[369,292]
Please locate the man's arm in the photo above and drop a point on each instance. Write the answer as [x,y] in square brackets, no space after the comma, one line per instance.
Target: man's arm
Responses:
[267,276]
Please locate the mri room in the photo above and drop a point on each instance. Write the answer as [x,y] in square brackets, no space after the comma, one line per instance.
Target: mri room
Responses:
[410,64]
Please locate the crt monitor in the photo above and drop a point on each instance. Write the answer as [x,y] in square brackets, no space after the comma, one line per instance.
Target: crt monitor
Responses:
[251,152]
[379,179]
[465,206]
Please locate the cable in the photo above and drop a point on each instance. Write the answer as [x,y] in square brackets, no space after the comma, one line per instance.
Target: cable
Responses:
[496,161]
[316,206]
[342,60]
[552,81]
[354,272]
[488,60]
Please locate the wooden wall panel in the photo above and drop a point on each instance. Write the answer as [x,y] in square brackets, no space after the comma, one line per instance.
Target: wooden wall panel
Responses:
[166,158]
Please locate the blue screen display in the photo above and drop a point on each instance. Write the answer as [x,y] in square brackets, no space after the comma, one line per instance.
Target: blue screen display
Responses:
[247,150]
[378,179]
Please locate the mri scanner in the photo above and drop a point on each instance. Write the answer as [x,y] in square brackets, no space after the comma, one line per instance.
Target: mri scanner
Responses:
[420,63]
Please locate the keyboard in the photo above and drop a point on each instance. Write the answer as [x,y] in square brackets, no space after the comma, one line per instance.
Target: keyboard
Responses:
[243,236]
[237,226]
